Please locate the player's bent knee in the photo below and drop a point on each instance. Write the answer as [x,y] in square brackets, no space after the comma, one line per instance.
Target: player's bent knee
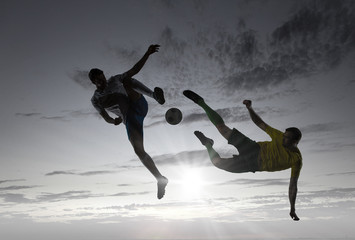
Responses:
[224,130]
[217,162]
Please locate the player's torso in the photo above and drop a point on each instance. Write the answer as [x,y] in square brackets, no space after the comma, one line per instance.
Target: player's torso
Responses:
[113,97]
[275,157]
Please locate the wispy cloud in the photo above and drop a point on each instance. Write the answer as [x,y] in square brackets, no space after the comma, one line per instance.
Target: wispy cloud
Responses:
[14,198]
[81,77]
[322,127]
[314,39]
[126,194]
[190,158]
[70,195]
[11,180]
[27,114]
[340,174]
[62,116]
[89,173]
[257,182]
[10,188]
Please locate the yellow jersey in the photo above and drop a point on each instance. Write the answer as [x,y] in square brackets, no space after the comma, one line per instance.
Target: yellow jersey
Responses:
[274,156]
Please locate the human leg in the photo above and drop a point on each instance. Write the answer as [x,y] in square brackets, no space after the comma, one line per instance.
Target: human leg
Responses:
[245,162]
[139,87]
[213,116]
[208,143]
[136,140]
[134,126]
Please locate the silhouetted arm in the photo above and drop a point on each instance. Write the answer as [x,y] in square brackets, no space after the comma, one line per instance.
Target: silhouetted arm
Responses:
[139,65]
[255,117]
[292,193]
[109,119]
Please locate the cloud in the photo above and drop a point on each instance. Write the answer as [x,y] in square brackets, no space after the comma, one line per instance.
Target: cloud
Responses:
[316,38]
[12,180]
[65,116]
[191,158]
[92,173]
[10,188]
[89,173]
[60,173]
[125,194]
[14,198]
[124,54]
[322,127]
[27,114]
[331,145]
[340,174]
[70,195]
[81,77]
[258,182]
[334,193]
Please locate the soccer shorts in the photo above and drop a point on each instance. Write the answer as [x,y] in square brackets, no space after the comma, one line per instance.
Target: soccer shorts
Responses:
[247,160]
[135,116]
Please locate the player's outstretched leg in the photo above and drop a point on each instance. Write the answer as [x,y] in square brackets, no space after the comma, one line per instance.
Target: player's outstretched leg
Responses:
[216,160]
[157,94]
[214,117]
[150,165]
[193,96]
[203,139]
[136,139]
[208,143]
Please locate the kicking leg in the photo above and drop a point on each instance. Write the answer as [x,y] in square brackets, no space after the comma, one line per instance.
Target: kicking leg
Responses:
[214,117]
[139,87]
[228,164]
[208,143]
[132,94]
[137,142]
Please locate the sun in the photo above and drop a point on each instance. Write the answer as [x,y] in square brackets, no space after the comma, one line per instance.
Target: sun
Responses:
[191,183]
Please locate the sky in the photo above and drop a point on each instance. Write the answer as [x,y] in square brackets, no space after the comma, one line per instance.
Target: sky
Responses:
[67,174]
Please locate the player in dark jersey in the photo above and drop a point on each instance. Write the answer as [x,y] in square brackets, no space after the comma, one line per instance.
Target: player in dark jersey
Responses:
[122,95]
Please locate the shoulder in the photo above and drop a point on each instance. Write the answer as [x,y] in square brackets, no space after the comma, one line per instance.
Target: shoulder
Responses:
[273,132]
[118,77]
[96,96]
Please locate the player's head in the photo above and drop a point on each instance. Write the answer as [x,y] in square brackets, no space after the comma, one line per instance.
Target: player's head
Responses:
[95,73]
[292,135]
[97,77]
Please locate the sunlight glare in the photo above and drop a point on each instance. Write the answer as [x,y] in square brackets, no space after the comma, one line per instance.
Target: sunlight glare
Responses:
[191,183]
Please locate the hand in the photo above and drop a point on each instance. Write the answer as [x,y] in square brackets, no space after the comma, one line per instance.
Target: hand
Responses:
[294,216]
[153,48]
[247,103]
[117,121]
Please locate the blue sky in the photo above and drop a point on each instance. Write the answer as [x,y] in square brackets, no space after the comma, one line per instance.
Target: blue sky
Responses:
[64,170]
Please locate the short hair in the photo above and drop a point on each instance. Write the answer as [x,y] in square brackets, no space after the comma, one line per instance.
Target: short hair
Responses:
[297,135]
[94,73]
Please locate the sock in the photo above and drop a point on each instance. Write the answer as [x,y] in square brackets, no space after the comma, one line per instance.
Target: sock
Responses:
[141,88]
[211,152]
[214,117]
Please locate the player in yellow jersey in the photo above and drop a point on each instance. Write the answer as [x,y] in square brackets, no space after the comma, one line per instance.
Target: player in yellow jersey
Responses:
[278,154]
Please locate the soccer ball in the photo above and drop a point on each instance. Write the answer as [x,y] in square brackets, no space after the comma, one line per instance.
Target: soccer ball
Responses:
[173,116]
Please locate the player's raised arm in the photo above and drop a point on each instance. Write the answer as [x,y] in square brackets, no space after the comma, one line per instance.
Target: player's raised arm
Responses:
[254,117]
[139,65]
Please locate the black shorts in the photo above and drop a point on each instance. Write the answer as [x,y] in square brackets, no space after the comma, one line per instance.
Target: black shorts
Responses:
[247,160]
[135,116]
